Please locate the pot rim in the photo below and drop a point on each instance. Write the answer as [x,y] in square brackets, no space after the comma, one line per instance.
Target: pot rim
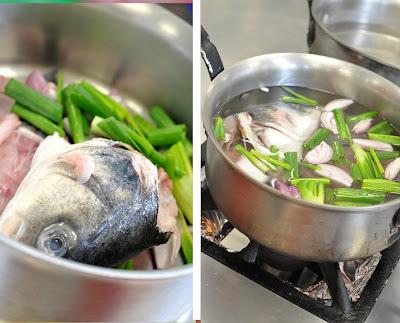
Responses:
[211,138]
[347,45]
[30,253]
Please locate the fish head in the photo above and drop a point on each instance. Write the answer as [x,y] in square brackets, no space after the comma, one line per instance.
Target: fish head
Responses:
[94,203]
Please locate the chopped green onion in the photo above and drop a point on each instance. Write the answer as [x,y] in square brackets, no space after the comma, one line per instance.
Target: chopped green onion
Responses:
[219,129]
[182,187]
[162,119]
[382,185]
[394,140]
[85,124]
[94,127]
[273,149]
[94,102]
[323,180]
[310,166]
[384,155]
[338,152]
[254,160]
[329,195]
[355,195]
[299,96]
[291,159]
[362,116]
[320,135]
[270,160]
[37,120]
[365,163]
[186,239]
[290,99]
[127,265]
[130,120]
[33,100]
[312,191]
[75,118]
[117,130]
[343,128]
[60,86]
[167,136]
[383,128]
[355,172]
[144,125]
[377,162]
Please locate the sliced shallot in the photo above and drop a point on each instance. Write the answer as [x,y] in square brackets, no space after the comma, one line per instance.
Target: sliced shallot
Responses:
[320,154]
[336,174]
[36,81]
[362,126]
[338,104]
[285,189]
[368,143]
[392,169]
[329,122]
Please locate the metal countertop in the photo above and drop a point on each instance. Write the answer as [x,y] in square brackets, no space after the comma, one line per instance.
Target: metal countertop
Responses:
[241,29]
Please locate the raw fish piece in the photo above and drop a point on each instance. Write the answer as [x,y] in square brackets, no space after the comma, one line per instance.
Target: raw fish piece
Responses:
[5,102]
[16,154]
[294,120]
[8,124]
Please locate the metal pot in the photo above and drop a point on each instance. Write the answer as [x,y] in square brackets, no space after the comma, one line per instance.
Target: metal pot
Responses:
[363,32]
[289,226]
[144,51]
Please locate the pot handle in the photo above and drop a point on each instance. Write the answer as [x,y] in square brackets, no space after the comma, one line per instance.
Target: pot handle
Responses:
[311,25]
[210,55]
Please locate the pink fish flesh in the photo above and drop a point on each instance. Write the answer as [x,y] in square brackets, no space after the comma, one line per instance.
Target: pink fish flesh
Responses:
[16,154]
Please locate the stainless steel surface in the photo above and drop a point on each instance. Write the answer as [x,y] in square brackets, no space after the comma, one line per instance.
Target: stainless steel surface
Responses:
[364,32]
[228,296]
[145,52]
[273,219]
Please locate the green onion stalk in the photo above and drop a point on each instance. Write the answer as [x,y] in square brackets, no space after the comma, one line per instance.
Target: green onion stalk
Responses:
[301,98]
[186,239]
[37,120]
[362,116]
[293,162]
[319,136]
[162,119]
[34,101]
[383,128]
[183,185]
[263,167]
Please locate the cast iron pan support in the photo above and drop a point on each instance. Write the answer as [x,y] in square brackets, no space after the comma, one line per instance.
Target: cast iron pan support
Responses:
[334,279]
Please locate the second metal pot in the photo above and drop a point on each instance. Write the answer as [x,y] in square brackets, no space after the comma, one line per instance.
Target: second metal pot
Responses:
[363,32]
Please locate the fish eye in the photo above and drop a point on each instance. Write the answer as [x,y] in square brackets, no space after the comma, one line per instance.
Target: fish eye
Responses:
[56,239]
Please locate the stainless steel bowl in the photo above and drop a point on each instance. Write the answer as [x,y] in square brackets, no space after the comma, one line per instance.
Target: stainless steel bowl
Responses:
[363,32]
[145,52]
